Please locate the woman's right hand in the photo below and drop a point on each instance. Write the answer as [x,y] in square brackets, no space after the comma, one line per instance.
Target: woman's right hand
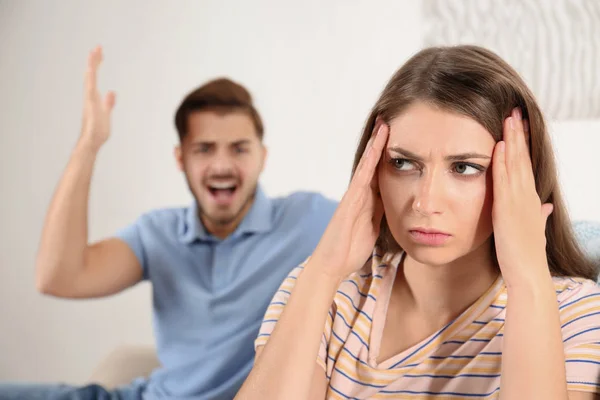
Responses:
[354,228]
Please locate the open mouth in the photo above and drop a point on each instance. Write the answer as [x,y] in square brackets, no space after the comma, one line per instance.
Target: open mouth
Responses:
[222,192]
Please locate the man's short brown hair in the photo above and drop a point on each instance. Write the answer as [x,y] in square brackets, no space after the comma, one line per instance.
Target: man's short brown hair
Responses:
[220,95]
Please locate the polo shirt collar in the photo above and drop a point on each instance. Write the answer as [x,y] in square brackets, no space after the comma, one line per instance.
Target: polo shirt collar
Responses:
[258,219]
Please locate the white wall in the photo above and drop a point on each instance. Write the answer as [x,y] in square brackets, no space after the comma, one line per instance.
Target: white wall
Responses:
[315,68]
[577,148]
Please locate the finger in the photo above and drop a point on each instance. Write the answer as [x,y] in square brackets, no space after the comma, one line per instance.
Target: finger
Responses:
[377,125]
[362,158]
[366,169]
[518,129]
[525,166]
[109,101]
[521,139]
[375,182]
[378,122]
[94,60]
[377,212]
[499,173]
[508,139]
[547,209]
[527,135]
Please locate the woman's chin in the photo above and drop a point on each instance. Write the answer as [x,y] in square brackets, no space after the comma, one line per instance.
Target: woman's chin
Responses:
[431,255]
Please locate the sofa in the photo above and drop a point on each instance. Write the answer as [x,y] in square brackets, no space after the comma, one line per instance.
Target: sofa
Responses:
[124,364]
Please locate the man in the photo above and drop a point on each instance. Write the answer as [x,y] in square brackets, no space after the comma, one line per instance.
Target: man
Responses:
[214,266]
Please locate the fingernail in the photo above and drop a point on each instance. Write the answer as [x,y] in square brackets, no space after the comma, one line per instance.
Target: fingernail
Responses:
[501,146]
[511,122]
[517,112]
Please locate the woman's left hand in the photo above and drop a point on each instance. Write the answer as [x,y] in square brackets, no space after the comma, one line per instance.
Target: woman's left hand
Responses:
[518,216]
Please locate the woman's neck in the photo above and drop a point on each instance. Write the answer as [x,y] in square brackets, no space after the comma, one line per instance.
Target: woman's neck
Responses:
[439,293]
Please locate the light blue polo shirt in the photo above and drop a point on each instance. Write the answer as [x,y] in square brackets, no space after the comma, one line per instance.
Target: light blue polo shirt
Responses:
[210,295]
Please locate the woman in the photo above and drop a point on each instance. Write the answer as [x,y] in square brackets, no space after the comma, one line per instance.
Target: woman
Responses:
[475,287]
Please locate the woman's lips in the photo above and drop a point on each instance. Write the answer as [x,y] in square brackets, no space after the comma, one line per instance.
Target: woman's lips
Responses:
[429,237]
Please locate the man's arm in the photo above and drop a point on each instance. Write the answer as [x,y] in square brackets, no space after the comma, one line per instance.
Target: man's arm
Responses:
[66,265]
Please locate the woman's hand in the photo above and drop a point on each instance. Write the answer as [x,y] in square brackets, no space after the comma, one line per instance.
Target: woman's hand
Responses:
[532,344]
[352,232]
[518,216]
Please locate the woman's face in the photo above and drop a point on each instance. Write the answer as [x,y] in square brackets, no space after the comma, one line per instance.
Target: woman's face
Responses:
[435,179]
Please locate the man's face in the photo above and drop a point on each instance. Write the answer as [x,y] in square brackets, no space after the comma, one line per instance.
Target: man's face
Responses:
[222,158]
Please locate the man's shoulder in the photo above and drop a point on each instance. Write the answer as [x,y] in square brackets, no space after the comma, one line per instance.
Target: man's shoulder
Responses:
[305,203]
[162,217]
[154,230]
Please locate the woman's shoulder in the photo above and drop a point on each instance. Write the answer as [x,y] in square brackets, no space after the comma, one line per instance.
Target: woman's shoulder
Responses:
[579,306]
[577,297]
[573,288]
[379,268]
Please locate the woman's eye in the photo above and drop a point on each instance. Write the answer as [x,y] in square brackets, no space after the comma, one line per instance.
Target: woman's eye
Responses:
[402,164]
[467,169]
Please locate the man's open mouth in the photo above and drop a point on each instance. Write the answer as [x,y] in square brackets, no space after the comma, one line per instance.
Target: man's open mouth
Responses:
[222,192]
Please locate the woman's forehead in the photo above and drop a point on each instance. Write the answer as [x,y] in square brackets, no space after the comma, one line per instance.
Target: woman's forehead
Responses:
[424,126]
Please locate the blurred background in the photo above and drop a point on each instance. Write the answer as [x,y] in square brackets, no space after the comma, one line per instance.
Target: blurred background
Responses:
[314,68]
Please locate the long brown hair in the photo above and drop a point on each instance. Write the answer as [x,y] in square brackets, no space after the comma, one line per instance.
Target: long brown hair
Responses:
[475,82]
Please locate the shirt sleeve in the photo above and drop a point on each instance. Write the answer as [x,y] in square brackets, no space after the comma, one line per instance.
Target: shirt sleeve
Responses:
[580,320]
[132,236]
[277,306]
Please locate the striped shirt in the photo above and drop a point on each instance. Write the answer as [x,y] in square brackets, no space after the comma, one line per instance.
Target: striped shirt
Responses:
[461,360]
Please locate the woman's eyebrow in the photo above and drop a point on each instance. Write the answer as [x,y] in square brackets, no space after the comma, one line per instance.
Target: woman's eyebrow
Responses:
[467,156]
[406,153]
[454,157]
